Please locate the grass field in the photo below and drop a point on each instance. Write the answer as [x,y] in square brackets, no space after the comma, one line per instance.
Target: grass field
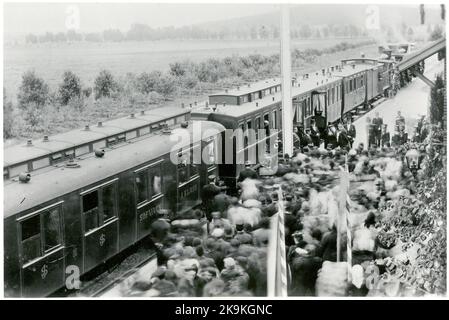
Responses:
[87,59]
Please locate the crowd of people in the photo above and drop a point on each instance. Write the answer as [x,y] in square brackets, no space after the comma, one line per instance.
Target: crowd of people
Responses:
[220,248]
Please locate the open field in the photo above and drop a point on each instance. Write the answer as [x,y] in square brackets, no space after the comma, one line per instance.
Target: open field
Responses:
[87,59]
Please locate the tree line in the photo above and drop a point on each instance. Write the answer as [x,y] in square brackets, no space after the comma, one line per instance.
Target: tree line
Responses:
[143,32]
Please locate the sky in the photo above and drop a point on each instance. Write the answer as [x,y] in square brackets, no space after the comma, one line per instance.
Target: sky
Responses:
[20,18]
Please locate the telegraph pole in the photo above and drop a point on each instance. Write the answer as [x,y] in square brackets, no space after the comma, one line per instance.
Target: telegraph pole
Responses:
[287,111]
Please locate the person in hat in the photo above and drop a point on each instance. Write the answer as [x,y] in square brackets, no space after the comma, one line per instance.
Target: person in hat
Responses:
[208,194]
[371,129]
[331,136]
[400,121]
[385,136]
[396,139]
[350,129]
[314,133]
[320,122]
[343,140]
[247,173]
[378,122]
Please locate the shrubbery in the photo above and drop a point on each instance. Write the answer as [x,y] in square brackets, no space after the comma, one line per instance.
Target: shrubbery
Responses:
[105,84]
[70,105]
[70,88]
[32,90]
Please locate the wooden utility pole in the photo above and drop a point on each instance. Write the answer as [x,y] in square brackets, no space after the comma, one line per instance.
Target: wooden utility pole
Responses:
[287,110]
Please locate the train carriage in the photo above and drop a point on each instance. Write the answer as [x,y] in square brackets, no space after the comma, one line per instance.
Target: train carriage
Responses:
[73,216]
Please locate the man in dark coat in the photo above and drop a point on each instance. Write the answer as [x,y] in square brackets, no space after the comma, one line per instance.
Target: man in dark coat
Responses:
[320,122]
[350,129]
[331,137]
[248,172]
[378,122]
[208,194]
[315,134]
[343,141]
[400,121]
[371,134]
[385,136]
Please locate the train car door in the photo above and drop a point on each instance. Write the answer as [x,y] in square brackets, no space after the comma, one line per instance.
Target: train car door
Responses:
[99,213]
[149,197]
[41,251]
[188,179]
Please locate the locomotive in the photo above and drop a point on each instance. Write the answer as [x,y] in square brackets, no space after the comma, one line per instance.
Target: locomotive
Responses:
[76,200]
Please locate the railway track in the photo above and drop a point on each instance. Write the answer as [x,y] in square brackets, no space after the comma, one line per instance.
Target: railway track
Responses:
[109,283]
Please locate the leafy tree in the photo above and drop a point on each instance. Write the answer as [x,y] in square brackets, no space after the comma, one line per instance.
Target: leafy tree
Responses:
[436,34]
[166,85]
[105,84]
[32,90]
[8,117]
[113,35]
[437,100]
[69,88]
[147,82]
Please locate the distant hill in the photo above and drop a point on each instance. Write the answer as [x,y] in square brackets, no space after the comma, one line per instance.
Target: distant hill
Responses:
[328,14]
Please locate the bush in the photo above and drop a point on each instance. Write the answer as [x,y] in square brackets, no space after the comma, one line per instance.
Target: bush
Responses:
[33,90]
[437,101]
[8,118]
[147,82]
[166,85]
[105,85]
[436,34]
[70,88]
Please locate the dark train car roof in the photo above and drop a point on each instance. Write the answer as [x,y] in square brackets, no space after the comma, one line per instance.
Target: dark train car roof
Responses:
[22,152]
[52,182]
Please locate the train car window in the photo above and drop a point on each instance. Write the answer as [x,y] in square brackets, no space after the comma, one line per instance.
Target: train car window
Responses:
[274,120]
[180,119]
[141,180]
[194,161]
[131,135]
[350,85]
[108,199]
[248,125]
[170,122]
[328,96]
[143,131]
[121,138]
[309,106]
[16,170]
[333,95]
[31,239]
[210,153]
[257,127]
[155,175]
[99,144]
[51,226]
[41,163]
[90,210]
[111,141]
[361,81]
[57,157]
[81,150]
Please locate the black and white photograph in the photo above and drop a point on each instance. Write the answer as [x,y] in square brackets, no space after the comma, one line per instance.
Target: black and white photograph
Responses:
[245,150]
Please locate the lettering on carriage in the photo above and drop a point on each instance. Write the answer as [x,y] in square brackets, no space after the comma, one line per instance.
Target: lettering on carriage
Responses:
[188,191]
[150,212]
[102,239]
[44,271]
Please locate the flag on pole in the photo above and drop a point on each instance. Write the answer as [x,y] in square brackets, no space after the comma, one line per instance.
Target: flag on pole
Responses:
[277,262]
[347,207]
